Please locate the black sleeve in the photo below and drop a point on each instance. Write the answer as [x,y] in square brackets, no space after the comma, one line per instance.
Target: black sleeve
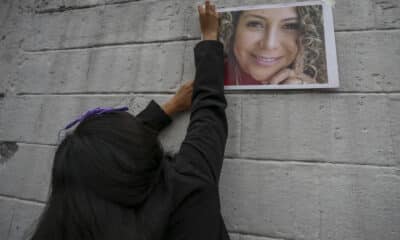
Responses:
[202,150]
[154,117]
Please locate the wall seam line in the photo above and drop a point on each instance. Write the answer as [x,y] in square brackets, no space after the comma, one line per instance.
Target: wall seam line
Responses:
[63,8]
[241,94]
[22,200]
[255,160]
[304,162]
[112,45]
[259,235]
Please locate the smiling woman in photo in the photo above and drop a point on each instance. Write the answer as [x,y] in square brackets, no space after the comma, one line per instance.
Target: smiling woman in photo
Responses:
[274,46]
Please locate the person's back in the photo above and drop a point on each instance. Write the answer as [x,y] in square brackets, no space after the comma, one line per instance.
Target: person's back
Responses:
[111,180]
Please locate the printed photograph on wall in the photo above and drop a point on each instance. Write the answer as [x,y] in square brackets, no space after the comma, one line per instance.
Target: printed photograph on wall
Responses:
[279,46]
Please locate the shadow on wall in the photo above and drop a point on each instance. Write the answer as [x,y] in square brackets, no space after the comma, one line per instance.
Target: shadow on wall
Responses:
[7,150]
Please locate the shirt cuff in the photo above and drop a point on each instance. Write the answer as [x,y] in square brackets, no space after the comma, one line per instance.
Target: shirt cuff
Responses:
[154,117]
[205,47]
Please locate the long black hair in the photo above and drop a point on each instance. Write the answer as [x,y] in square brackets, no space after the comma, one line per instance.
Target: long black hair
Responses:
[102,172]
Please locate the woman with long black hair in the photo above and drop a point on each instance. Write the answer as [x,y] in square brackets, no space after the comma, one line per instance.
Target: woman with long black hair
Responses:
[111,179]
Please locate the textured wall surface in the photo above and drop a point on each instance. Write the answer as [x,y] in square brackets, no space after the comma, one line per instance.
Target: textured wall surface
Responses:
[300,165]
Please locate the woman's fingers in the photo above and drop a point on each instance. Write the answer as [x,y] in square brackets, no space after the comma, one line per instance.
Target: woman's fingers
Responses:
[212,8]
[307,79]
[208,21]
[181,101]
[188,85]
[289,76]
[183,97]
[292,81]
[300,79]
[281,76]
[208,7]
[201,9]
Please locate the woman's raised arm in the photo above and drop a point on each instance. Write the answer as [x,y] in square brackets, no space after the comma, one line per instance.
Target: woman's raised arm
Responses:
[203,148]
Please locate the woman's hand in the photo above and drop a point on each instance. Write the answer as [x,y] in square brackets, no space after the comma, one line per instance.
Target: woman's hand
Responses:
[181,101]
[289,76]
[208,21]
[296,74]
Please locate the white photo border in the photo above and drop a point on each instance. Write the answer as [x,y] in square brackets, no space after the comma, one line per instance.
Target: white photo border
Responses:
[330,47]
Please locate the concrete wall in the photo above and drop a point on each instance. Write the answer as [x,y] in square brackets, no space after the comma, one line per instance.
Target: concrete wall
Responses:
[312,165]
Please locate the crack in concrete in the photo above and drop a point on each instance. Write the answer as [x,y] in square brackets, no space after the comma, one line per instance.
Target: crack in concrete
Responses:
[63,8]
[118,44]
[10,226]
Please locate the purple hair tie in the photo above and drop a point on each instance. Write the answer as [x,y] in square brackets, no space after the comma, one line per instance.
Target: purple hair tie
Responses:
[94,112]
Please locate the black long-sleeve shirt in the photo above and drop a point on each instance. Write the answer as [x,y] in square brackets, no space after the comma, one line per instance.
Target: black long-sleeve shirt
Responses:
[185,203]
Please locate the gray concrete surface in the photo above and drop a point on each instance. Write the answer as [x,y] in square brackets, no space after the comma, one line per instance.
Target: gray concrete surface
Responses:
[300,165]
